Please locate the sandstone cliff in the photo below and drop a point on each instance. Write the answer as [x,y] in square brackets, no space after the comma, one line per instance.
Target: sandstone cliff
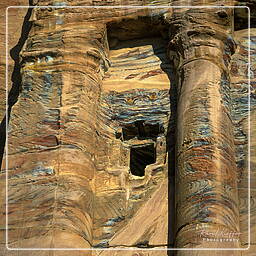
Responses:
[130,129]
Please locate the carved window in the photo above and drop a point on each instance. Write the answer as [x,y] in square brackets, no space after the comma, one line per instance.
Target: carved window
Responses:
[140,157]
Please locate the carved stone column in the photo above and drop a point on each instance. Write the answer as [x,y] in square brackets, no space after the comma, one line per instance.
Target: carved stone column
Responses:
[52,146]
[206,176]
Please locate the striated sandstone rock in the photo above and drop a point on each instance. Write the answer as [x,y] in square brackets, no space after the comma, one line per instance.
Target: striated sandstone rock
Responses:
[206,172]
[239,94]
[16,39]
[91,138]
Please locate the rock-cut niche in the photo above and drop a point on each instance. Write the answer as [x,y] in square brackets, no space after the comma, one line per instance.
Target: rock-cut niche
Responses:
[134,117]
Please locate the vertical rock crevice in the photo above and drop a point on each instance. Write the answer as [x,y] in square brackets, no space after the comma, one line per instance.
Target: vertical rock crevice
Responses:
[16,78]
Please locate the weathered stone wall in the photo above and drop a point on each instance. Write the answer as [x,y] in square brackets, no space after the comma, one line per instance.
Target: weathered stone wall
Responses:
[94,83]
[240,117]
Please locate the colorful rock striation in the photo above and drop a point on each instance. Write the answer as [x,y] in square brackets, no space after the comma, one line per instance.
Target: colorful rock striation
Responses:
[130,130]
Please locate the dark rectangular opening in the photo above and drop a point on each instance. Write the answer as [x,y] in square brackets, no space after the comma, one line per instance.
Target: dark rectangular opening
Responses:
[141,130]
[140,157]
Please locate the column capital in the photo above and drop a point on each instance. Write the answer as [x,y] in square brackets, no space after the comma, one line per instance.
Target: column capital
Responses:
[204,34]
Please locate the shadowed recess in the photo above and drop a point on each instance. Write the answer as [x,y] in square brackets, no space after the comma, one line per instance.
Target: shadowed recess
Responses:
[141,156]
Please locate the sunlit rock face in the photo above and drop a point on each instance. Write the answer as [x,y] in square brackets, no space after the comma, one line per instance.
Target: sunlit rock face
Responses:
[244,127]
[130,129]
[133,123]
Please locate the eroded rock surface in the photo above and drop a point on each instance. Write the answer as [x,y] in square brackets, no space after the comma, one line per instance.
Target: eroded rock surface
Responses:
[92,136]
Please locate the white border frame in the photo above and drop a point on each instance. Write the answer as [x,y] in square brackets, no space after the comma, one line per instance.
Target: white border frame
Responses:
[133,248]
